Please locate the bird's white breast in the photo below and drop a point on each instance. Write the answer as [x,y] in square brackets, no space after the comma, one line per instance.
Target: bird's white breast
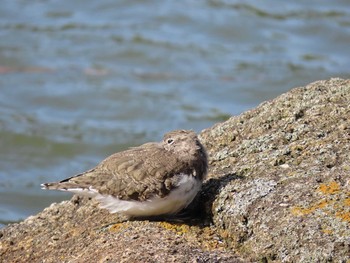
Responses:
[179,198]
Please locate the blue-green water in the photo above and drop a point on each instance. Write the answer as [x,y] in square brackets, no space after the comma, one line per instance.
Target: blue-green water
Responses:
[80,80]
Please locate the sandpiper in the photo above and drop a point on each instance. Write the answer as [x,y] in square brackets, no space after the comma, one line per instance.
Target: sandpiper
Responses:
[156,178]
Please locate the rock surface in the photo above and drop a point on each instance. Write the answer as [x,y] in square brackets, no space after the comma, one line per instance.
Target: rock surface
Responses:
[278,190]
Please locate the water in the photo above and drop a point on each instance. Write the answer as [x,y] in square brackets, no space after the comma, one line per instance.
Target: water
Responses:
[80,80]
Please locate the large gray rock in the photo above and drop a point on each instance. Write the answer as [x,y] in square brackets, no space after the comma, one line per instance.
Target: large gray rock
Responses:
[286,164]
[279,190]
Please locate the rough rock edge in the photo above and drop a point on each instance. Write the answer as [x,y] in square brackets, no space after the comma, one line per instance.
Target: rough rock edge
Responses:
[286,164]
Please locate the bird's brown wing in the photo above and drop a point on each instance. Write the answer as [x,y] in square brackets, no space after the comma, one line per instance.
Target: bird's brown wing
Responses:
[136,174]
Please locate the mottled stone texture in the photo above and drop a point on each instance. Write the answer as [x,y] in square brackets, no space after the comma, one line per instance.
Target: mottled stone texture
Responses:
[278,190]
[289,163]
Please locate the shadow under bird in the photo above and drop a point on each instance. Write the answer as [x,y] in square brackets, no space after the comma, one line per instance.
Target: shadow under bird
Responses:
[156,178]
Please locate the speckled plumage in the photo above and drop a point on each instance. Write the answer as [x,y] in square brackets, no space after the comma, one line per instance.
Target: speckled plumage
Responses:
[146,173]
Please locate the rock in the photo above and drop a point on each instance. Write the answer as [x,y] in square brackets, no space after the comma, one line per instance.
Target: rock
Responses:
[78,231]
[288,167]
[278,190]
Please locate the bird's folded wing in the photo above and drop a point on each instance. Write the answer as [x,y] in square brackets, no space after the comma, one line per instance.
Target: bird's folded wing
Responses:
[135,174]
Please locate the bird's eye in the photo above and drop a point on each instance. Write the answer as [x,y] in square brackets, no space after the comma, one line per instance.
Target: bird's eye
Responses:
[170,141]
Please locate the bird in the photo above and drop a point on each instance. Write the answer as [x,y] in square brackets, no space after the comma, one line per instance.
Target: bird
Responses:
[153,179]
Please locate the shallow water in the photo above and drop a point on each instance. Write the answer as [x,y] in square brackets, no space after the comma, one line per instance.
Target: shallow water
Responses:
[80,80]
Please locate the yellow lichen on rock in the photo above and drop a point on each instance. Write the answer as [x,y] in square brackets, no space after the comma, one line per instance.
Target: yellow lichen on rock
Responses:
[330,188]
[327,231]
[116,227]
[333,203]
[300,211]
[347,202]
[344,216]
[179,229]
